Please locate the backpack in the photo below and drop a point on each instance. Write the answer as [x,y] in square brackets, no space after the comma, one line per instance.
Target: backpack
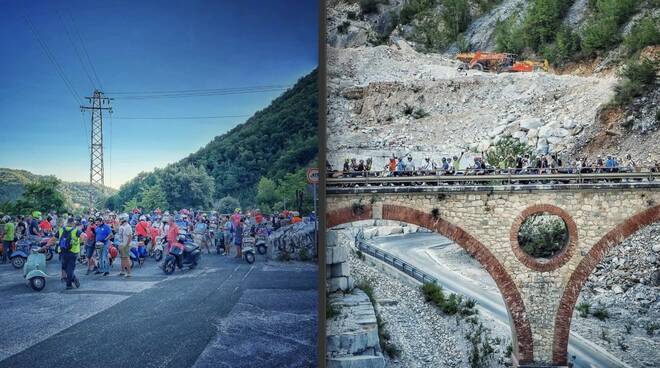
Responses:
[66,239]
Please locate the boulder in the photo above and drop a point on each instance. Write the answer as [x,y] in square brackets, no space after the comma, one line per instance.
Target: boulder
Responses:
[531,123]
[569,124]
[497,131]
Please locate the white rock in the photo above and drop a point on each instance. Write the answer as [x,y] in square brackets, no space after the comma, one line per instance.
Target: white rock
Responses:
[532,133]
[483,146]
[656,247]
[560,132]
[554,140]
[519,134]
[497,131]
[569,124]
[544,132]
[531,123]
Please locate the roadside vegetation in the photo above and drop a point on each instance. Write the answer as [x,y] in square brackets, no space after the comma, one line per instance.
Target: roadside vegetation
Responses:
[386,344]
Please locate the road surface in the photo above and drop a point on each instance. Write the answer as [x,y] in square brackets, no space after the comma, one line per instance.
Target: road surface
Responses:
[225,313]
[418,250]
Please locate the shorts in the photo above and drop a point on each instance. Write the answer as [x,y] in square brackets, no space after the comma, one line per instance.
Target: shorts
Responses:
[124,251]
[89,250]
[227,239]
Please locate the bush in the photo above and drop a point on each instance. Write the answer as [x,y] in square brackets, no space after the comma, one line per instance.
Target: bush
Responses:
[369,6]
[412,8]
[602,31]
[566,47]
[504,152]
[343,28]
[643,34]
[429,35]
[601,313]
[543,235]
[542,20]
[352,15]
[509,36]
[456,17]
[638,77]
[583,308]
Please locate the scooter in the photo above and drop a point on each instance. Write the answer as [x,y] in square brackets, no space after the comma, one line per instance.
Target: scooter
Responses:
[23,248]
[138,255]
[191,255]
[34,270]
[247,249]
[159,249]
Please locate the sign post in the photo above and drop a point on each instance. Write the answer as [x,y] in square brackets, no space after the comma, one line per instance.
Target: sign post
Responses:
[313,179]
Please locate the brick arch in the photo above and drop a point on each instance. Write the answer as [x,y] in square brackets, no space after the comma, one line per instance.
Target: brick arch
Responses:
[585,268]
[521,329]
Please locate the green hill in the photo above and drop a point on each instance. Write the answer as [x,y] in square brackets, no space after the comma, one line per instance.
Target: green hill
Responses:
[12,186]
[281,139]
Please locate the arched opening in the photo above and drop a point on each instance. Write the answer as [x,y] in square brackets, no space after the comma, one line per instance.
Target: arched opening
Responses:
[520,327]
[585,268]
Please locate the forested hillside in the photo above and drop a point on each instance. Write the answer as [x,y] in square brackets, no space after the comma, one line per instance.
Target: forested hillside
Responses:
[13,183]
[277,141]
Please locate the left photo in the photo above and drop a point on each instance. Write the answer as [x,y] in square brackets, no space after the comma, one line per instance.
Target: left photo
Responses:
[159,183]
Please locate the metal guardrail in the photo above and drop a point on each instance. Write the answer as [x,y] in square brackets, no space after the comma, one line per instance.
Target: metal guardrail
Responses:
[501,178]
[395,262]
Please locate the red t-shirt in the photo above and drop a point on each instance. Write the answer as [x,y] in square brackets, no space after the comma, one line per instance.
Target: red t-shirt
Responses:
[45,225]
[142,228]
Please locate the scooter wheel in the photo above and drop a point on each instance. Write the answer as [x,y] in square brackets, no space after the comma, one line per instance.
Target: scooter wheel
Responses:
[261,248]
[249,257]
[169,267]
[37,283]
[18,262]
[158,255]
[49,256]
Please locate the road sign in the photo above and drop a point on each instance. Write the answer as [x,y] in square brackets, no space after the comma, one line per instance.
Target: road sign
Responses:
[313,175]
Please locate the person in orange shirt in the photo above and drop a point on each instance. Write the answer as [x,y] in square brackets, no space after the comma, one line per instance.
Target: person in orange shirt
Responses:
[45,225]
[296,218]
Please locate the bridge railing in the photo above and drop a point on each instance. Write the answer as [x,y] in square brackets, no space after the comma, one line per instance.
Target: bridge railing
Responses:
[395,262]
[506,178]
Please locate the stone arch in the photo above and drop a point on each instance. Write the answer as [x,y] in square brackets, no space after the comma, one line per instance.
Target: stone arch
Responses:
[521,329]
[584,269]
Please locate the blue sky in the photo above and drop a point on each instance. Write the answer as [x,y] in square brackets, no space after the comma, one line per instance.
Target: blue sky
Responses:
[140,46]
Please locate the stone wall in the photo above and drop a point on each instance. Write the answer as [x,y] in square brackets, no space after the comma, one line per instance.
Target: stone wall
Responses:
[482,223]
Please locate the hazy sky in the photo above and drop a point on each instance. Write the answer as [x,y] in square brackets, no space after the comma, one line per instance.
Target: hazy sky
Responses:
[138,46]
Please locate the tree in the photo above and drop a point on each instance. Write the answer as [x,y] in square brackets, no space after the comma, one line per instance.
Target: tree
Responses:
[287,187]
[129,205]
[187,186]
[153,197]
[504,152]
[227,205]
[456,17]
[267,194]
[43,195]
[643,34]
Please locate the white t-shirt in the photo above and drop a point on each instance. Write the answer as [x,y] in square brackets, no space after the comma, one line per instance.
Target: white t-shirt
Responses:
[124,233]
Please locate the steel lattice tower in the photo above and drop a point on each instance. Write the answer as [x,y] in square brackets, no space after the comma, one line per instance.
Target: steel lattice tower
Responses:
[98,104]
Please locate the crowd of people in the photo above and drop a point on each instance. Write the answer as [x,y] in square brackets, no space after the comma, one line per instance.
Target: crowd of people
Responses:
[522,164]
[104,235]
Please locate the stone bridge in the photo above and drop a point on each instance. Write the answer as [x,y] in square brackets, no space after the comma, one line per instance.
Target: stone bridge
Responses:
[539,296]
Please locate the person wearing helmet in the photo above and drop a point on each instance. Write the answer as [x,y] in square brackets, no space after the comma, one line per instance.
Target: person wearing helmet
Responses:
[173,239]
[34,230]
[103,234]
[125,235]
[8,236]
[142,231]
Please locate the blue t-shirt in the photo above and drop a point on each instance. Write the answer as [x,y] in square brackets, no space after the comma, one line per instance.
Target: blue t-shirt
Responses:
[200,227]
[102,232]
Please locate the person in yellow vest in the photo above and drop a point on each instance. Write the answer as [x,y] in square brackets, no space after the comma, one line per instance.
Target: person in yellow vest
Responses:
[68,239]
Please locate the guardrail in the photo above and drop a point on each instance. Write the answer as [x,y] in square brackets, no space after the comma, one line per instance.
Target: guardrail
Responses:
[500,179]
[395,262]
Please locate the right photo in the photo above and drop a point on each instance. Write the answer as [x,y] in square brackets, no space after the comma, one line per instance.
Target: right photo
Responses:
[492,183]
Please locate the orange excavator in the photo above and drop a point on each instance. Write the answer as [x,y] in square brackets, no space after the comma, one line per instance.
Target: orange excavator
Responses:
[498,62]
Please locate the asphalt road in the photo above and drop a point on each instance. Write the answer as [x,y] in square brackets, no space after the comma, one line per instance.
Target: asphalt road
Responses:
[418,250]
[225,313]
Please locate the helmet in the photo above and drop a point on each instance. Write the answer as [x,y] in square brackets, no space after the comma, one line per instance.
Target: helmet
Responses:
[78,219]
[6,218]
[84,222]
[99,218]
[36,214]
[143,218]
[123,217]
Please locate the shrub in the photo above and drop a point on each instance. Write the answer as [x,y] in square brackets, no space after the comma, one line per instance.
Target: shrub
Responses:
[369,6]
[343,28]
[412,8]
[565,48]
[637,78]
[504,152]
[462,43]
[601,313]
[583,308]
[643,34]
[542,20]
[408,110]
[601,32]
[429,34]
[433,293]
[509,36]
[352,15]
[543,235]
[456,17]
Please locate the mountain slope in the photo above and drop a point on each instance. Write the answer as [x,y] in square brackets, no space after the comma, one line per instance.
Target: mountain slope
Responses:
[12,186]
[280,139]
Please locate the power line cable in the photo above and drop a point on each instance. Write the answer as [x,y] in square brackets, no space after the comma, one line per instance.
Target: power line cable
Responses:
[52,59]
[199,90]
[200,94]
[75,48]
[82,42]
[178,117]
